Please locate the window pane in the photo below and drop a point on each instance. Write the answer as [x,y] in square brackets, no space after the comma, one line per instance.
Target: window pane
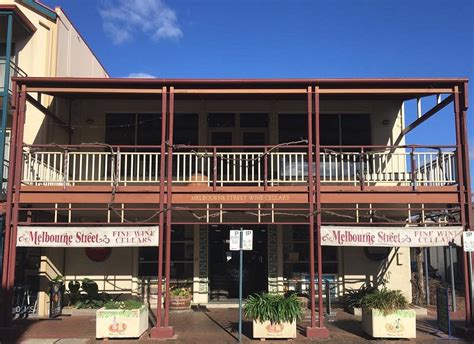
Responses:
[186,129]
[292,127]
[253,120]
[221,139]
[149,129]
[356,129]
[221,120]
[120,128]
[254,139]
[329,130]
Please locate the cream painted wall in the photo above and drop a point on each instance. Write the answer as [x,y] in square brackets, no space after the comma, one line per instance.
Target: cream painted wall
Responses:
[114,275]
[74,57]
[357,270]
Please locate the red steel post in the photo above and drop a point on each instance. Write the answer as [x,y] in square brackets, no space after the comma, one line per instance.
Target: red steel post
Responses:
[169,204]
[318,207]
[311,206]
[16,196]
[162,205]
[462,203]
[5,313]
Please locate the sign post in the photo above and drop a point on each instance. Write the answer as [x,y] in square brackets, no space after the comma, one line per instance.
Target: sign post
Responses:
[241,240]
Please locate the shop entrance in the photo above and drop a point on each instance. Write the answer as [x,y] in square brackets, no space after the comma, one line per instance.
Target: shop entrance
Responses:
[224,264]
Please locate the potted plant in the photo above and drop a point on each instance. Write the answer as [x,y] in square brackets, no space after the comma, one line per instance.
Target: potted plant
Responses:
[180,299]
[121,319]
[386,314]
[273,315]
[353,298]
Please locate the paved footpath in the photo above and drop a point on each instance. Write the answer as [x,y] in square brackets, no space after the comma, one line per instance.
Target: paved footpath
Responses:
[203,326]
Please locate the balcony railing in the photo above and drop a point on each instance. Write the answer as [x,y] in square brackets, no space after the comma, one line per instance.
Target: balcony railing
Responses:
[15,71]
[233,166]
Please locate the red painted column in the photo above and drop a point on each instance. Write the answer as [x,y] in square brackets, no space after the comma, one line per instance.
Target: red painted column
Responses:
[467,176]
[160,331]
[12,207]
[5,313]
[169,194]
[311,207]
[462,201]
[316,329]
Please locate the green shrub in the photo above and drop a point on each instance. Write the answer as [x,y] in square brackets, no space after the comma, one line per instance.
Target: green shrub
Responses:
[275,308]
[353,297]
[126,305]
[74,291]
[387,301]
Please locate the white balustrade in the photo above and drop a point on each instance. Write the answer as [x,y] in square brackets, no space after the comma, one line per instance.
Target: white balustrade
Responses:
[431,168]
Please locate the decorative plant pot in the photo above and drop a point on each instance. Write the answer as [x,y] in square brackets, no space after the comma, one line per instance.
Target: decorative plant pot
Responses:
[398,324]
[268,330]
[179,303]
[121,323]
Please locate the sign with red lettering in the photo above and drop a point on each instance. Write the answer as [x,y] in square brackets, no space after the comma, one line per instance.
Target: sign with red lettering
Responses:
[136,236]
[390,236]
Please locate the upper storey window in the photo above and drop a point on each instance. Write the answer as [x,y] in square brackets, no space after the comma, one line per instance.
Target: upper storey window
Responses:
[335,129]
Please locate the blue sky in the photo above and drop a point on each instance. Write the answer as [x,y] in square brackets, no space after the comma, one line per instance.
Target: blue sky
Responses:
[293,38]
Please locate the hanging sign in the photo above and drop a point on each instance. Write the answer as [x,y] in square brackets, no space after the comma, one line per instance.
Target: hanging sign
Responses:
[137,236]
[390,236]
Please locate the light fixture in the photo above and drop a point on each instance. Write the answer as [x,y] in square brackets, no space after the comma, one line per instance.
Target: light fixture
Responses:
[386,122]
[89,121]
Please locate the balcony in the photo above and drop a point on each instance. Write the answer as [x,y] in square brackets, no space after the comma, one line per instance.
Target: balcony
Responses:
[211,167]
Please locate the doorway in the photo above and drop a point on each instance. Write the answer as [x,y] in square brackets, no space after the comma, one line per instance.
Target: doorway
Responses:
[224,264]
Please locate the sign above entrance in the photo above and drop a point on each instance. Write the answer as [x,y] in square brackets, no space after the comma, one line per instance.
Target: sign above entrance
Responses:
[390,236]
[136,236]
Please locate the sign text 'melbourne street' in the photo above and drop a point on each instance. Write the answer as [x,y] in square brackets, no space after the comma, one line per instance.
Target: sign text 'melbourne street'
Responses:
[30,236]
[390,236]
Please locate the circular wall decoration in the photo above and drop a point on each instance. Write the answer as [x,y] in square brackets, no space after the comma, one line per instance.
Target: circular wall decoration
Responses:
[377,253]
[98,254]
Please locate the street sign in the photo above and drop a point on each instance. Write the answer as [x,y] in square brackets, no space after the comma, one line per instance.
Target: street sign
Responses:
[247,240]
[247,244]
[468,241]
[234,240]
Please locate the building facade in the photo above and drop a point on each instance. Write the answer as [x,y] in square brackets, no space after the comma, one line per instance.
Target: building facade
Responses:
[317,168]
[41,42]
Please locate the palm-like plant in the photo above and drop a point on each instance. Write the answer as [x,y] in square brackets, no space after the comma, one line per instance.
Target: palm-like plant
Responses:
[275,308]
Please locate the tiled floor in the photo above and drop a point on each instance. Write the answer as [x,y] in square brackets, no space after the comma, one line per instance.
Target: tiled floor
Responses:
[200,326]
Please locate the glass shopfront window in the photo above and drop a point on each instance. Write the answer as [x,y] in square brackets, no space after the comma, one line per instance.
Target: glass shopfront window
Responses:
[182,256]
[296,254]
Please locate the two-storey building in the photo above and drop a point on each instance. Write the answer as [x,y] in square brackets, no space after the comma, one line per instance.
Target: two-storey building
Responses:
[319,169]
[38,41]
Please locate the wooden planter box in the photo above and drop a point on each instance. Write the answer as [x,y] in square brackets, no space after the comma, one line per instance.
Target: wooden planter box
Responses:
[267,330]
[120,323]
[180,303]
[399,324]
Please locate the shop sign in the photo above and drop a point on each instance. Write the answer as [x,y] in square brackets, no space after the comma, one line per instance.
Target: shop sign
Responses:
[132,236]
[390,236]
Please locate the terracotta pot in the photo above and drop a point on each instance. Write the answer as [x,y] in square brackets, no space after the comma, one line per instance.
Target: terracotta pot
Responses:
[178,303]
